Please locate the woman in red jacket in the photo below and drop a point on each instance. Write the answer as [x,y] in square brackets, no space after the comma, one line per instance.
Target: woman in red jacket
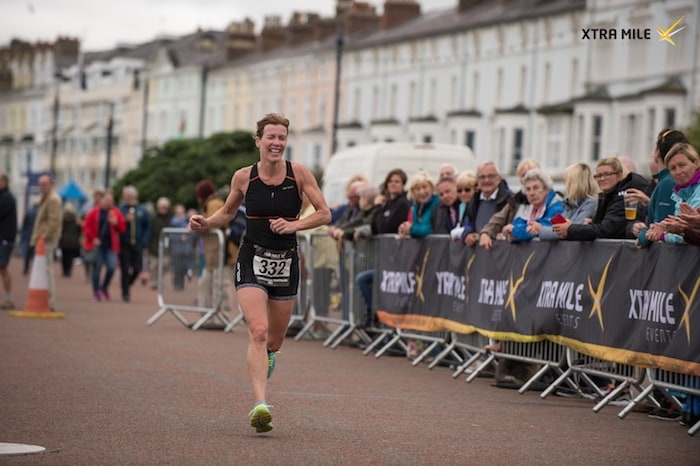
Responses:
[102,227]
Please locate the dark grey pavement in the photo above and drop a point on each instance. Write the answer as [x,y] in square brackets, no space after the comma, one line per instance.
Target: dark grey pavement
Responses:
[100,387]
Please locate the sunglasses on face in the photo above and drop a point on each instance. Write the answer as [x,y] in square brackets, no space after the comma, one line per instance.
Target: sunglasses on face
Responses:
[600,176]
[465,190]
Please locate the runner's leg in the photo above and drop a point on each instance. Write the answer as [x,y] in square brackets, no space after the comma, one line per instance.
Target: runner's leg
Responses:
[254,303]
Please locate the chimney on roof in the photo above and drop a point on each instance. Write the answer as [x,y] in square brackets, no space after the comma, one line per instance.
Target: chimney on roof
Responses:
[66,50]
[360,16]
[240,38]
[466,4]
[399,11]
[325,27]
[301,28]
[273,34]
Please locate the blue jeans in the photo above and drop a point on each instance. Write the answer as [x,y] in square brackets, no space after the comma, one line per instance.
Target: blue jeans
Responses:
[108,259]
[364,282]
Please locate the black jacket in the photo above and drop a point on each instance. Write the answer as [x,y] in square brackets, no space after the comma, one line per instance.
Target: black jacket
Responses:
[609,219]
[388,217]
[8,216]
[441,220]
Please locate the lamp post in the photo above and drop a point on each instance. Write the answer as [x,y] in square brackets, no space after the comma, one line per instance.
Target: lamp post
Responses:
[110,128]
[54,129]
[27,142]
[339,43]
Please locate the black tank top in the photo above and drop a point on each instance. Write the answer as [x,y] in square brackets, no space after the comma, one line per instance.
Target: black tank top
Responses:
[265,202]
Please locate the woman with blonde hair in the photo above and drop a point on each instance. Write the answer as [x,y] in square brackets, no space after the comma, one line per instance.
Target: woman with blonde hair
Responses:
[609,219]
[684,164]
[421,190]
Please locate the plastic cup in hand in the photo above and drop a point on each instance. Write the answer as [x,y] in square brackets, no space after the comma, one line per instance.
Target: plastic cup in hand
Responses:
[630,208]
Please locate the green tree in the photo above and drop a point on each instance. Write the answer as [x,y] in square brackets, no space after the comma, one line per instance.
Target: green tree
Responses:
[693,132]
[174,169]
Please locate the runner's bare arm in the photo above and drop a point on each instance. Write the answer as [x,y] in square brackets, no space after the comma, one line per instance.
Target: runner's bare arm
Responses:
[223,216]
[309,186]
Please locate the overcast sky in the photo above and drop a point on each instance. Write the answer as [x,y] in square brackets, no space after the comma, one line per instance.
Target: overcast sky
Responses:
[101,24]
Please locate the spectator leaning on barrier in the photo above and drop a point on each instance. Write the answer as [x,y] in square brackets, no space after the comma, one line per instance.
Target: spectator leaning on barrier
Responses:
[392,209]
[361,226]
[492,196]
[48,223]
[350,216]
[609,220]
[535,218]
[159,220]
[659,204]
[445,216]
[8,232]
[684,164]
[581,193]
[421,191]
[466,187]
[134,240]
[503,217]
[351,195]
[102,227]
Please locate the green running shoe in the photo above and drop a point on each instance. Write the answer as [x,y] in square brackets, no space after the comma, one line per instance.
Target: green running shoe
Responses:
[271,360]
[260,418]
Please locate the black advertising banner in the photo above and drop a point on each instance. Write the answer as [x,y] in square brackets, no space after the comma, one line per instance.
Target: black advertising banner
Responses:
[604,298]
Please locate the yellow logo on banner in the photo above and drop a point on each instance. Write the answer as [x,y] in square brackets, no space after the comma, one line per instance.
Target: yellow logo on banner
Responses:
[667,34]
[514,285]
[685,320]
[419,277]
[597,294]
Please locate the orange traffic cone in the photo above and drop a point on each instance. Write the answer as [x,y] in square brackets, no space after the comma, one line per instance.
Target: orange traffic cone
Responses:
[38,298]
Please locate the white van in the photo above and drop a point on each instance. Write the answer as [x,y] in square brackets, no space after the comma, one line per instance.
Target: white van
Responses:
[374,161]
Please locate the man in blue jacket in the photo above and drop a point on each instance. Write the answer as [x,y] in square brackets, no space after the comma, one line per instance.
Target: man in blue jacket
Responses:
[134,240]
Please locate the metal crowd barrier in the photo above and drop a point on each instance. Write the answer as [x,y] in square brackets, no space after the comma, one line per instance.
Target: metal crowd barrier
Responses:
[179,282]
[321,257]
[473,345]
[546,354]
[583,367]
[669,382]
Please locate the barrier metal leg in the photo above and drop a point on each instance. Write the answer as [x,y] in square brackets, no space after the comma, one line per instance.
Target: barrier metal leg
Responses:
[610,396]
[383,333]
[386,347]
[164,310]
[481,367]
[237,320]
[466,364]
[450,349]
[694,430]
[534,378]
[547,391]
[425,352]
[637,399]
[346,334]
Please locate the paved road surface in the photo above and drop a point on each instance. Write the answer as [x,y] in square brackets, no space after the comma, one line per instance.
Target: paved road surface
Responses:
[100,387]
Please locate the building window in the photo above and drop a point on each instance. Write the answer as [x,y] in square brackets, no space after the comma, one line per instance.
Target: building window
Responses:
[554,143]
[470,139]
[517,148]
[427,138]
[475,91]
[669,117]
[597,137]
